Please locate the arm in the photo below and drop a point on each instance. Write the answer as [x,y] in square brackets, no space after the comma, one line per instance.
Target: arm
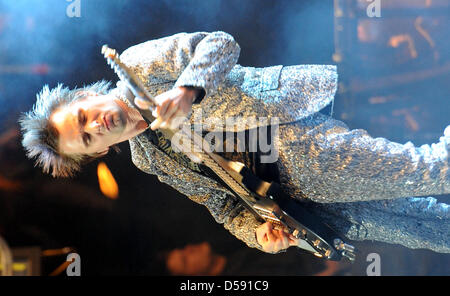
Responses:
[243,224]
[223,207]
[199,62]
[211,59]
[258,235]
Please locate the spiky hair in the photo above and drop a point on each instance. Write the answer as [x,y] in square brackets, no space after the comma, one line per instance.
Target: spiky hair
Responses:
[40,138]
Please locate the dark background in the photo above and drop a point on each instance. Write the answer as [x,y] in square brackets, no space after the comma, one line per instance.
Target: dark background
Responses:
[40,44]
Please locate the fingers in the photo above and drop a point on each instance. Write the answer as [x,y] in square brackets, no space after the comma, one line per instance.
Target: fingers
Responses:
[261,235]
[166,111]
[141,103]
[293,241]
[162,103]
[272,240]
[156,123]
[171,109]
[269,232]
[177,118]
[164,121]
[281,242]
[283,238]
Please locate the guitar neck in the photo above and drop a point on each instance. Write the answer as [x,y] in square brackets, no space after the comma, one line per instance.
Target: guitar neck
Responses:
[230,172]
[215,162]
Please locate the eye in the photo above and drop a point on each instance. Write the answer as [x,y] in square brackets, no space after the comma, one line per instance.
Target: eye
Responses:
[82,117]
[86,139]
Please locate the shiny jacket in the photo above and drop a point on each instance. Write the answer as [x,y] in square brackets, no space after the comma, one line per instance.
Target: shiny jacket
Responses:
[343,172]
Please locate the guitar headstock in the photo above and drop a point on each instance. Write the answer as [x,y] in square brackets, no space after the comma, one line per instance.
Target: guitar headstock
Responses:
[126,75]
[109,52]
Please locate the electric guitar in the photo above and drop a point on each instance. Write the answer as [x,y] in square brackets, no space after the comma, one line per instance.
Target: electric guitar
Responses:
[266,201]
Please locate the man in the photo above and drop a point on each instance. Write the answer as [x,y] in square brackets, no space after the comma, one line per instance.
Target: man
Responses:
[359,185]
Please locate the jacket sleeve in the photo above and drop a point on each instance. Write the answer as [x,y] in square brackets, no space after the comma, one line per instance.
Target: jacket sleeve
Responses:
[239,221]
[225,210]
[243,224]
[200,60]
[223,207]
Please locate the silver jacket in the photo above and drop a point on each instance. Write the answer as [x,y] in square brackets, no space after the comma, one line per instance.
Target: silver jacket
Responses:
[208,60]
[344,172]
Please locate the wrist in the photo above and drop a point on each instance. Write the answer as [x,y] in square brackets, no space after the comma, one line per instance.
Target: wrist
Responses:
[193,92]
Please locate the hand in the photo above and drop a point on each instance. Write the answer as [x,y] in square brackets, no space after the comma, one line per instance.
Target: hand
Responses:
[274,240]
[172,107]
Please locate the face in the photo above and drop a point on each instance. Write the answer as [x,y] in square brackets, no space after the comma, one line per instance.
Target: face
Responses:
[94,123]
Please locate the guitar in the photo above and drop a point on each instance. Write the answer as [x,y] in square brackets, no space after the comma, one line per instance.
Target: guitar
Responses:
[265,200]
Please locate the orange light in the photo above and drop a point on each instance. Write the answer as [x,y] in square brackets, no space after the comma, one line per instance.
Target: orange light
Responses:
[9,185]
[108,185]
[396,40]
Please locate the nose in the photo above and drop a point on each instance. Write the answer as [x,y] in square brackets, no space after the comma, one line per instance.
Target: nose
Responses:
[93,127]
